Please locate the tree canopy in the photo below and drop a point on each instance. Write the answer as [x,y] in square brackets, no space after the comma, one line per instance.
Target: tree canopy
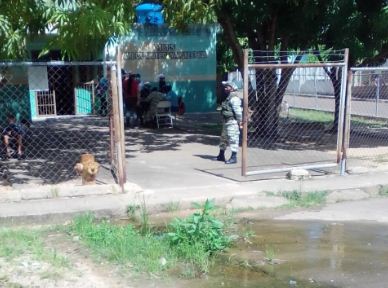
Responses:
[294,24]
[79,28]
[82,27]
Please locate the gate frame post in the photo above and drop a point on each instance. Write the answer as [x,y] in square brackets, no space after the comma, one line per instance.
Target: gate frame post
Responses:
[341,116]
[244,143]
[118,133]
[348,106]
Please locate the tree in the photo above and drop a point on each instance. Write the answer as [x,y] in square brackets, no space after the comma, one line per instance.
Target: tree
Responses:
[290,25]
[78,28]
[82,27]
[18,19]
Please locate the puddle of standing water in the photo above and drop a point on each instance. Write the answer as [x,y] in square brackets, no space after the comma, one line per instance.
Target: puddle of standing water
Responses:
[310,254]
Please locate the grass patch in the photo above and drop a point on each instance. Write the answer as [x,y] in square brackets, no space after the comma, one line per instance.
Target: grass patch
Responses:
[16,242]
[123,244]
[309,199]
[186,247]
[314,116]
[305,115]
[370,123]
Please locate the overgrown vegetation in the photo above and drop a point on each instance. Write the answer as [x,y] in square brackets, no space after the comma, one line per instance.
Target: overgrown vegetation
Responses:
[123,244]
[308,199]
[188,245]
[201,233]
[200,228]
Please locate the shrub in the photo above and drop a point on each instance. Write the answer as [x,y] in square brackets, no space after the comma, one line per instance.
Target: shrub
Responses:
[200,230]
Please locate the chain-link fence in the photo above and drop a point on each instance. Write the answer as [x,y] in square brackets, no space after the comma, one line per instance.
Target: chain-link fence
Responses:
[289,124]
[50,114]
[368,115]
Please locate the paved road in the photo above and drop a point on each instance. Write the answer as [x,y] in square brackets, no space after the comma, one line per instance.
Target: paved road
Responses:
[359,107]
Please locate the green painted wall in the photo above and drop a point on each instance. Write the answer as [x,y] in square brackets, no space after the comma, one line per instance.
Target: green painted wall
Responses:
[188,61]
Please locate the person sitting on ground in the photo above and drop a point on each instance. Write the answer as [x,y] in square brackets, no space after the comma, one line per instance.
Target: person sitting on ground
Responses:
[13,132]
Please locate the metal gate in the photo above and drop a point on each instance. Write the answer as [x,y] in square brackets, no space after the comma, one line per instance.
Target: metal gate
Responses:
[366,135]
[293,110]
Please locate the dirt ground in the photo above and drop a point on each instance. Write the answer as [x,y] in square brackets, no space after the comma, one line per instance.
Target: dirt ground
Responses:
[78,269]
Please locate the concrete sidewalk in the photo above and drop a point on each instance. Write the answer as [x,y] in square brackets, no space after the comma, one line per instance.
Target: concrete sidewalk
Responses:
[173,167]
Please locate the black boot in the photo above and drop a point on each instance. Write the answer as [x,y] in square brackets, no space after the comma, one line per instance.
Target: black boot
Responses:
[221,156]
[232,159]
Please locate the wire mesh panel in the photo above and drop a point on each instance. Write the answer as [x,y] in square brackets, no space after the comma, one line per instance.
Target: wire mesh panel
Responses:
[368,134]
[293,104]
[50,114]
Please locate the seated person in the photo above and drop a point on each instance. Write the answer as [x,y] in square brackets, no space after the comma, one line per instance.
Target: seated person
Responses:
[172,97]
[13,132]
[152,99]
[143,105]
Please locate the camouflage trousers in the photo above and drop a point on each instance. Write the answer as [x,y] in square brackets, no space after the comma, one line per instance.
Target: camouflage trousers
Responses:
[230,135]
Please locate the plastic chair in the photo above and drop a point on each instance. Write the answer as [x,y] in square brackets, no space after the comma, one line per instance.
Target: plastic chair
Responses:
[163,114]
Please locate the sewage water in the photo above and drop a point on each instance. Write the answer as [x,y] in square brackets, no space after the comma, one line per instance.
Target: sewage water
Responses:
[304,254]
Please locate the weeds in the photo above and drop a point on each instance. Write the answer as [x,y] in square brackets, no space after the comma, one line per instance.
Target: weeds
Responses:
[269,253]
[308,199]
[173,206]
[190,242]
[132,210]
[383,191]
[200,228]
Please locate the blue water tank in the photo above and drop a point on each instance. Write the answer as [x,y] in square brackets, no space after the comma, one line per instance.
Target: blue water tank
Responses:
[149,13]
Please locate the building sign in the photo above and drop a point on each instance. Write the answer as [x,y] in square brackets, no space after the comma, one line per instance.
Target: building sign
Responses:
[186,59]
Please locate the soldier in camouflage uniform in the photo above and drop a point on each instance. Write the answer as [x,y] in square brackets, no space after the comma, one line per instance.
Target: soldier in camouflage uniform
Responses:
[231,113]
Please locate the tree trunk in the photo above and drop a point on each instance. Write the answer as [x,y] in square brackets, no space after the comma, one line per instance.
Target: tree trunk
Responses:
[335,74]
[271,88]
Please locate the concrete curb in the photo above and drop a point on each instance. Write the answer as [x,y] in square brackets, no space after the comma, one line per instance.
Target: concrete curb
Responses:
[62,191]
[106,201]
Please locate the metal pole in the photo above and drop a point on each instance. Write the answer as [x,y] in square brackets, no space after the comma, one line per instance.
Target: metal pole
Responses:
[342,111]
[290,65]
[244,143]
[316,90]
[347,127]
[377,94]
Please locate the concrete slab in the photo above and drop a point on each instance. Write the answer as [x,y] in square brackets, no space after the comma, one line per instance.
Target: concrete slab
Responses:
[170,166]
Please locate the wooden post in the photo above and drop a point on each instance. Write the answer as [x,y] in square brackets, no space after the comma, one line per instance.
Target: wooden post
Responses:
[119,56]
[244,145]
[117,126]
